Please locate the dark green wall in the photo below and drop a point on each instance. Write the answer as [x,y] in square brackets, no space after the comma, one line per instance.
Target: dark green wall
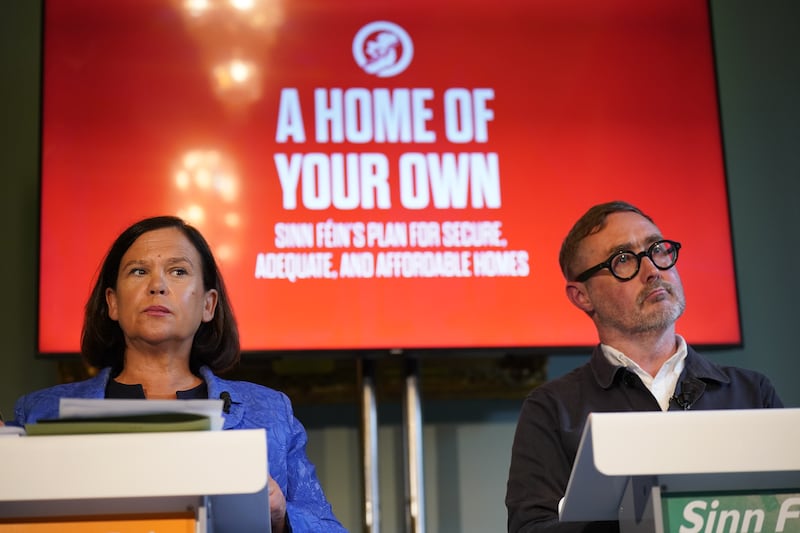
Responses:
[759,73]
[757,46]
[19,218]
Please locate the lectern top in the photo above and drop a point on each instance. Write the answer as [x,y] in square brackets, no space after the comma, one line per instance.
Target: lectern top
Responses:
[684,450]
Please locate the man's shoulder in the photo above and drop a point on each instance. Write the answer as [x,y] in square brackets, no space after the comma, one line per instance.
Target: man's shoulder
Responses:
[704,367]
[736,387]
[568,382]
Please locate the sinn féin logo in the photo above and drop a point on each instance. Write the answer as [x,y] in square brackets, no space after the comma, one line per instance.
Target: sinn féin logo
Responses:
[382,49]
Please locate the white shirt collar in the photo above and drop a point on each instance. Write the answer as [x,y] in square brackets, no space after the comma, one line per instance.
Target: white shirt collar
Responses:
[663,384]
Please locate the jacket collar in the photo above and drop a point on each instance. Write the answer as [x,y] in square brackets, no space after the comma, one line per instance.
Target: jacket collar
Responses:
[96,386]
[696,366]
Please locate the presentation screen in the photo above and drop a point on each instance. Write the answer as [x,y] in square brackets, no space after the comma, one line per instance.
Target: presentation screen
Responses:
[394,175]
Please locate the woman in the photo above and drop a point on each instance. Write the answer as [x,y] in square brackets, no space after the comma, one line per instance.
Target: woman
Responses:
[158,324]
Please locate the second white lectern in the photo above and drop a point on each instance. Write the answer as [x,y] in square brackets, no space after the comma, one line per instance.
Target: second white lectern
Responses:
[689,471]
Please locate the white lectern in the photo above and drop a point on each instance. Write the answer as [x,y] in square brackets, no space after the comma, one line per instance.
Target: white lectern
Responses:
[209,481]
[688,471]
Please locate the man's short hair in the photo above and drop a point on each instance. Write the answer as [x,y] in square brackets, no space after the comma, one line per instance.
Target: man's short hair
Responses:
[590,223]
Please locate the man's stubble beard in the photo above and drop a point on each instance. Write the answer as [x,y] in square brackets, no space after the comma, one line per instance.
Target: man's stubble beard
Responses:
[641,321]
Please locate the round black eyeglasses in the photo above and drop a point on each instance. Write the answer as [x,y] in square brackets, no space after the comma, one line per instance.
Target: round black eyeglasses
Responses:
[624,265]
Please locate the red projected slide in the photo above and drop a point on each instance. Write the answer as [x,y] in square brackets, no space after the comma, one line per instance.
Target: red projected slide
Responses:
[378,175]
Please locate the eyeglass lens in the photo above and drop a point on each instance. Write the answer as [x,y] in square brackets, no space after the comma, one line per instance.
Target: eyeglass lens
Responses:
[663,254]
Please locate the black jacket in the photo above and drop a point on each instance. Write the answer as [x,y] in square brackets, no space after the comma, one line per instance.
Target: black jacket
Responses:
[553,416]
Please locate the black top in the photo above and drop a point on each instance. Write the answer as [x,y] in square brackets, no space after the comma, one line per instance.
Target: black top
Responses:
[121,391]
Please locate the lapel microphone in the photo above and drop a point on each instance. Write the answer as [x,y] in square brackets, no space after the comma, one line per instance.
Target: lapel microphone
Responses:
[225,396]
[691,390]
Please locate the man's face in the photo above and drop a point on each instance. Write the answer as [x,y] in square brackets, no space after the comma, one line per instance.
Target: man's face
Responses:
[652,301]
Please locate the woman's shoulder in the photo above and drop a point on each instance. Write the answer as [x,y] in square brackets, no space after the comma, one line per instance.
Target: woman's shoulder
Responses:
[251,405]
[243,389]
[254,389]
[87,388]
[43,403]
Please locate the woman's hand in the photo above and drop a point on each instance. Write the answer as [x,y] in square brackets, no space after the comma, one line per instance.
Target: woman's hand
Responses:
[277,507]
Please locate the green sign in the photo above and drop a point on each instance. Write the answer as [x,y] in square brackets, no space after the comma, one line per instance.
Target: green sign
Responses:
[767,512]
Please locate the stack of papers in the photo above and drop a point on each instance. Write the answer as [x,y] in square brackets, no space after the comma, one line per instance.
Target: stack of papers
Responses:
[11,430]
[79,416]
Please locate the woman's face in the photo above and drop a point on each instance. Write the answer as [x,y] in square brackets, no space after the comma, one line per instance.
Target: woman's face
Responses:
[159,299]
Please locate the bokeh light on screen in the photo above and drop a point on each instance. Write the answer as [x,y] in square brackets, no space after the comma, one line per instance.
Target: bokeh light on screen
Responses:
[237,82]
[233,37]
[206,193]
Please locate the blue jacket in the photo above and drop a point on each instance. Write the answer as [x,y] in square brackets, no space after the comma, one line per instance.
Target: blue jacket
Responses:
[553,416]
[252,406]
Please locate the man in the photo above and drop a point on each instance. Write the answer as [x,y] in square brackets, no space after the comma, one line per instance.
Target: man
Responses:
[621,272]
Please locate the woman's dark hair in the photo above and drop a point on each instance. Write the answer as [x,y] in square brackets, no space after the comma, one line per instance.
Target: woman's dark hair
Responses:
[216,343]
[590,223]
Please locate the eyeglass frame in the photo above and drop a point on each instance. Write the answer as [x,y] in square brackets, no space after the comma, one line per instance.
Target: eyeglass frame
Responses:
[589,272]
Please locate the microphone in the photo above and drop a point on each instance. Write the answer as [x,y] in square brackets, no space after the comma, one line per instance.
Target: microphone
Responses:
[628,378]
[225,396]
[691,390]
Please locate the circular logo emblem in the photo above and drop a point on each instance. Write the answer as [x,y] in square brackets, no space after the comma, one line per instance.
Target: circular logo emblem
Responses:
[383,49]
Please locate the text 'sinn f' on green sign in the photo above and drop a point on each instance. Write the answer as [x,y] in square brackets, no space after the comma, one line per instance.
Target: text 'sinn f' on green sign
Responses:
[767,512]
